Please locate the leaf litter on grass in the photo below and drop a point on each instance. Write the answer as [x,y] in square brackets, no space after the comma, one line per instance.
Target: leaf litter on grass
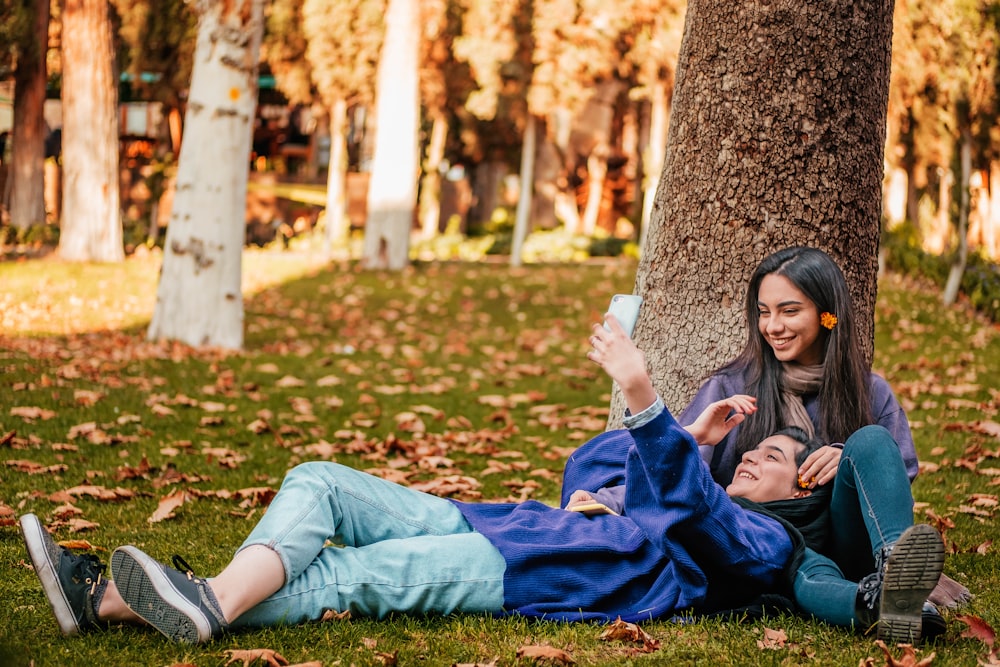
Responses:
[466,381]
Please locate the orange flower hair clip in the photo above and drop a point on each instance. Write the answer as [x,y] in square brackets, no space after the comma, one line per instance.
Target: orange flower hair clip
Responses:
[828,320]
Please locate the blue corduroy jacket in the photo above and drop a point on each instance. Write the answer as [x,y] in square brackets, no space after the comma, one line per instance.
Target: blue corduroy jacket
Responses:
[684,544]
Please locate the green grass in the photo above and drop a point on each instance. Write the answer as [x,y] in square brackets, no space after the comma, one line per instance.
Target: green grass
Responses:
[489,359]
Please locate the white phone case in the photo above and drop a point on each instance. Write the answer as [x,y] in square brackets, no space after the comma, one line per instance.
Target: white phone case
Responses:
[625,308]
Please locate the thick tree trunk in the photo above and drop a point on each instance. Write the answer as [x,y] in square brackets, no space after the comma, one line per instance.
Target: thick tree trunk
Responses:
[392,194]
[337,225]
[776,139]
[91,213]
[27,203]
[199,300]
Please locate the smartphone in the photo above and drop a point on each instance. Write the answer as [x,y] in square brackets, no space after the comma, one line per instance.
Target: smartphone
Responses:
[625,308]
[590,509]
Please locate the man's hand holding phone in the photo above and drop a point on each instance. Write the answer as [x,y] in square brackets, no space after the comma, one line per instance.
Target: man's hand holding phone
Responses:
[582,502]
[625,308]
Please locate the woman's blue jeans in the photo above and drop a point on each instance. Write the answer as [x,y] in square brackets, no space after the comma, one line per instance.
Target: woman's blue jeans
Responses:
[352,541]
[870,507]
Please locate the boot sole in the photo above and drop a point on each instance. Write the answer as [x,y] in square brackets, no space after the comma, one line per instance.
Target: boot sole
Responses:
[34,540]
[911,573]
[146,589]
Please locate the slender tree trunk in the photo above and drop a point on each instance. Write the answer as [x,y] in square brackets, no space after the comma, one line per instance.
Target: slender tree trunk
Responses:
[776,138]
[392,193]
[91,212]
[524,203]
[937,237]
[653,164]
[632,169]
[597,171]
[27,176]
[430,191]
[199,300]
[954,283]
[909,164]
[337,225]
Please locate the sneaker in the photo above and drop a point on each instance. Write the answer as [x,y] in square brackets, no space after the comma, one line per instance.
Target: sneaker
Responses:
[911,573]
[175,602]
[74,585]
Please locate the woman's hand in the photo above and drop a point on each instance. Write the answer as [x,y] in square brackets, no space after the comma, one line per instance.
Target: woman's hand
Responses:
[614,351]
[820,467]
[719,418]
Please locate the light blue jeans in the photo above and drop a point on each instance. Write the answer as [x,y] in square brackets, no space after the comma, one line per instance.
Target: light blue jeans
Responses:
[870,507]
[396,550]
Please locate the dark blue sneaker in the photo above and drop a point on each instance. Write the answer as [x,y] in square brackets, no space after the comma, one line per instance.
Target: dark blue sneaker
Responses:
[178,604]
[74,585]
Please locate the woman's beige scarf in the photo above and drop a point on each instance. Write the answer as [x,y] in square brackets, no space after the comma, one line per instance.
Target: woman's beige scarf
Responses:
[796,381]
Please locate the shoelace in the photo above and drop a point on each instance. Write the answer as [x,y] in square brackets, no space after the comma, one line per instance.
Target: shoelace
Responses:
[88,569]
[181,565]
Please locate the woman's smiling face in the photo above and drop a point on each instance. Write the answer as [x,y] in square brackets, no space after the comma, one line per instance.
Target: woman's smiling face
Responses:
[789,321]
[768,472]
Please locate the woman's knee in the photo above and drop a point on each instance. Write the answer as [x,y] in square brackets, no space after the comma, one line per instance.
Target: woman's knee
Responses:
[870,440]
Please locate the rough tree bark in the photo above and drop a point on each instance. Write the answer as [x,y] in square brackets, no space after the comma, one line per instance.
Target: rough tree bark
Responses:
[91,228]
[776,139]
[199,299]
[27,202]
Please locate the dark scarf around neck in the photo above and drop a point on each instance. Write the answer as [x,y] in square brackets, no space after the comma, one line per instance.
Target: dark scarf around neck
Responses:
[806,520]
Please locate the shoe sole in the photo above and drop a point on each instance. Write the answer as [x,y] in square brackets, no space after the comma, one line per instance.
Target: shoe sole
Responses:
[34,535]
[146,589]
[911,573]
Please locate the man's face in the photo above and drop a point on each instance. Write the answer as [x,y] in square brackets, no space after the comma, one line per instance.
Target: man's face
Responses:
[768,472]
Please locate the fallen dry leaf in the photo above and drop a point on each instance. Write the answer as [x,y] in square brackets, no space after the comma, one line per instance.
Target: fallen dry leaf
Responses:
[33,468]
[545,653]
[165,508]
[98,492]
[987,428]
[31,413]
[80,545]
[249,656]
[978,629]
[630,632]
[773,640]
[909,658]
[331,615]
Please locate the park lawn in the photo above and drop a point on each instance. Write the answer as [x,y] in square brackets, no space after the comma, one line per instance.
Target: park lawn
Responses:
[467,374]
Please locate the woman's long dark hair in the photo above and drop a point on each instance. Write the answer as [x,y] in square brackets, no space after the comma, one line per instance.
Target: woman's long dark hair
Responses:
[844,404]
